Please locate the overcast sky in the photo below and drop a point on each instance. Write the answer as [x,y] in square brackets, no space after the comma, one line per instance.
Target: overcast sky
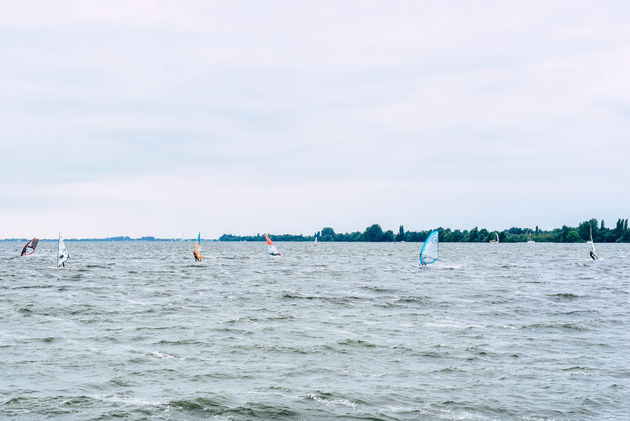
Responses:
[167,118]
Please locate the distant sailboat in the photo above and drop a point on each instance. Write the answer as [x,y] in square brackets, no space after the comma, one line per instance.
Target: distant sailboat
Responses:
[62,253]
[592,252]
[529,239]
[271,249]
[496,238]
[430,249]
[29,248]
[315,242]
[197,251]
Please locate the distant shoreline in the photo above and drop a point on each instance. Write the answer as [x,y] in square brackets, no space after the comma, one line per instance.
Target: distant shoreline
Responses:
[375,234]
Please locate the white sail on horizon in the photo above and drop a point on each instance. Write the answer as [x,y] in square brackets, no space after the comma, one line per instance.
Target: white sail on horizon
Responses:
[62,252]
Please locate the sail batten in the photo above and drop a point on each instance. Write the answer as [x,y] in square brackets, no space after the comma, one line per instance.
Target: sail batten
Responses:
[430,249]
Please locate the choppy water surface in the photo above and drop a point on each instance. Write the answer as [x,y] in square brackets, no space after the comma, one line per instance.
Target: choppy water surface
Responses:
[350,331]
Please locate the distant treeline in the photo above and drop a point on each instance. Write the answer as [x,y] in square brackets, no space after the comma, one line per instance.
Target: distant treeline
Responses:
[374,233]
[119,238]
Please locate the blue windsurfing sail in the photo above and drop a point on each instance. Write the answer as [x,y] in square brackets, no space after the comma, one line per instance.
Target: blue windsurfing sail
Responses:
[430,249]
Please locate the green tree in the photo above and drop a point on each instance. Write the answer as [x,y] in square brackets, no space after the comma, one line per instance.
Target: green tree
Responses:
[573,237]
[373,233]
[473,235]
[328,234]
[388,236]
[401,234]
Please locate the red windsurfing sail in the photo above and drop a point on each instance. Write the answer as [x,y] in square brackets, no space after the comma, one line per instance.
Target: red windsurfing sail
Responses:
[29,248]
[271,249]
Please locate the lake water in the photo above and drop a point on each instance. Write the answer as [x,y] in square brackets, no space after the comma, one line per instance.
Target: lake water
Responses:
[136,330]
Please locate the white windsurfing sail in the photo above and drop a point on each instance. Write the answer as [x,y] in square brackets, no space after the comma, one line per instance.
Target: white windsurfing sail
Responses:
[430,249]
[592,252]
[271,249]
[315,242]
[62,252]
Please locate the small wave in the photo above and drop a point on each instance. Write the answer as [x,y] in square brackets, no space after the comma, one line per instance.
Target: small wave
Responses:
[567,326]
[565,295]
[379,289]
[167,356]
[329,399]
[577,368]
[448,370]
[179,342]
[209,407]
[357,342]
[197,405]
[411,300]
[333,300]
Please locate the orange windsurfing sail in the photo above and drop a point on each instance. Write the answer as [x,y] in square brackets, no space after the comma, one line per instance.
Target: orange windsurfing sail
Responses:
[271,249]
[197,251]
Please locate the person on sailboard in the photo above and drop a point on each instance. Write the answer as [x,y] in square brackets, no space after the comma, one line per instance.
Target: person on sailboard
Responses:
[593,255]
[197,259]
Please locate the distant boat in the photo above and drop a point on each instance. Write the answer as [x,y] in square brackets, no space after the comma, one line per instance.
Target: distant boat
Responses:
[29,248]
[592,253]
[430,249]
[496,238]
[315,242]
[62,253]
[271,249]
[197,251]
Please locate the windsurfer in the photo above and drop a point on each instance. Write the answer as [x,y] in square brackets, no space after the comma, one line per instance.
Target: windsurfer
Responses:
[197,259]
[593,255]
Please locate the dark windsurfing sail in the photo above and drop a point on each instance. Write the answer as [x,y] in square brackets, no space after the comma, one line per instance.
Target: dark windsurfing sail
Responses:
[29,248]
